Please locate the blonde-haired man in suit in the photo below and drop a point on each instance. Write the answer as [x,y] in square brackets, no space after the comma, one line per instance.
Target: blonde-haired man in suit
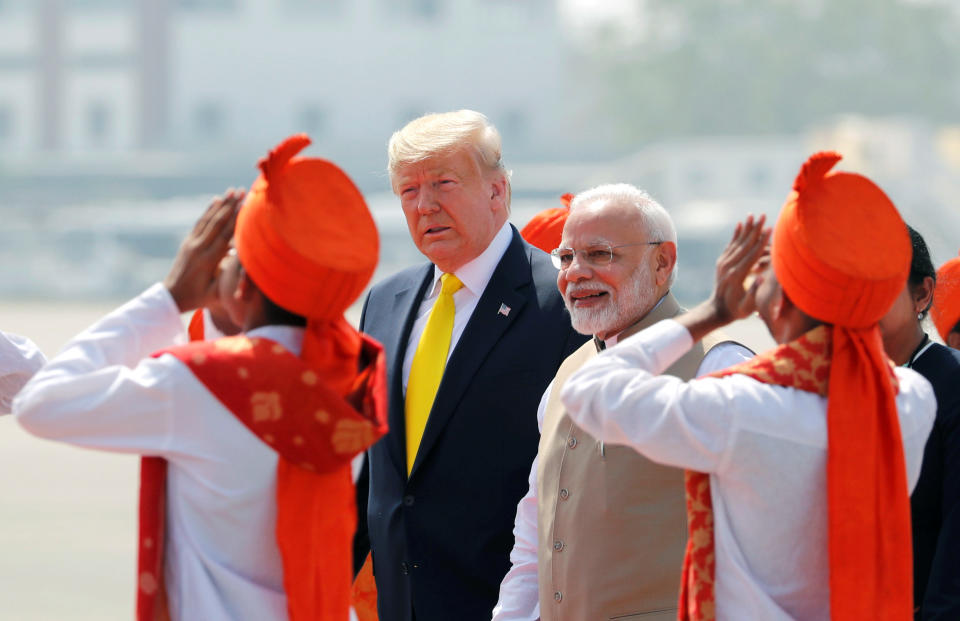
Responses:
[601,531]
[472,337]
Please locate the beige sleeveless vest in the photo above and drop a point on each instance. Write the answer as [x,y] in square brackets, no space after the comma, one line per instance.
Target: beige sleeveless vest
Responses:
[612,525]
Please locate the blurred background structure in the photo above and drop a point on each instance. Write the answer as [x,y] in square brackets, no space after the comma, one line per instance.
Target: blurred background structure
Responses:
[119,119]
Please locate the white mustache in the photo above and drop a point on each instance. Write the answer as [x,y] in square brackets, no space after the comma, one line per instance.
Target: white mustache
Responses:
[573,289]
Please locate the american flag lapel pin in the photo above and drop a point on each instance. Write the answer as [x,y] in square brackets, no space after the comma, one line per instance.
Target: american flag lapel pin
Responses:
[504,310]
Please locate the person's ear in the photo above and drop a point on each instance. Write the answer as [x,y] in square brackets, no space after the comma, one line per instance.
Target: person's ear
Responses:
[498,190]
[780,305]
[953,340]
[666,261]
[922,295]
[245,289]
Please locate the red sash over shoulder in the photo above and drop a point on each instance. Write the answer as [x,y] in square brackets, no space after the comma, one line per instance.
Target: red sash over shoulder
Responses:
[803,364]
[316,432]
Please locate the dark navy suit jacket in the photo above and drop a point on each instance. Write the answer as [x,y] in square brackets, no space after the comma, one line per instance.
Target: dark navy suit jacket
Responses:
[441,538]
[935,502]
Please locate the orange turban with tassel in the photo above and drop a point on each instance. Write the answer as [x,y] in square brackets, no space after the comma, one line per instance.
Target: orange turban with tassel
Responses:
[945,311]
[545,228]
[841,252]
[307,240]
[305,234]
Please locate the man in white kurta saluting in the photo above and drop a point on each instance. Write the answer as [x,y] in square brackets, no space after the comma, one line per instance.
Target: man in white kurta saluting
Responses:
[799,461]
[247,509]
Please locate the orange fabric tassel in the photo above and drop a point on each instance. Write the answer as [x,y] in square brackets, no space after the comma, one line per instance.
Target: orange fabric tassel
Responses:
[365,592]
[870,561]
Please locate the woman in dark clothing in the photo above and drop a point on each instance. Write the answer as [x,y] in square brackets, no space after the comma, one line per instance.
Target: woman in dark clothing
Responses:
[935,503]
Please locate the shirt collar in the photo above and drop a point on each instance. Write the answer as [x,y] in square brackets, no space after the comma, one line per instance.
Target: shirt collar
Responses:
[475,274]
[290,337]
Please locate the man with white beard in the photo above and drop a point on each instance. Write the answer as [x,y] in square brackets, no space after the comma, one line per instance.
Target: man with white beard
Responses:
[601,531]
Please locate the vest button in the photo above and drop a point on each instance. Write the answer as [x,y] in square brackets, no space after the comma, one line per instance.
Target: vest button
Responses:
[564,494]
[572,442]
[558,596]
[557,545]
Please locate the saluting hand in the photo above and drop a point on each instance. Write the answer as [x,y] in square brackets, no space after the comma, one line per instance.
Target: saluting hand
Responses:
[192,278]
[731,298]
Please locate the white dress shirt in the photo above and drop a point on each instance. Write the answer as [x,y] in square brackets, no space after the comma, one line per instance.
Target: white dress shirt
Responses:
[519,592]
[19,360]
[103,391]
[475,275]
[765,449]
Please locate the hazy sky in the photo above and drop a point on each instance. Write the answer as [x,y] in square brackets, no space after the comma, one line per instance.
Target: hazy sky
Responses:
[598,10]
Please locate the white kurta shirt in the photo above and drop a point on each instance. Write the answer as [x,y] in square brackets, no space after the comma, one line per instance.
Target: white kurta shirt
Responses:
[103,391]
[765,449]
[519,592]
[19,360]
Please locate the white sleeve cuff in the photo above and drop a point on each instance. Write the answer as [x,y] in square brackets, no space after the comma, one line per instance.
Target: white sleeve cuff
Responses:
[20,358]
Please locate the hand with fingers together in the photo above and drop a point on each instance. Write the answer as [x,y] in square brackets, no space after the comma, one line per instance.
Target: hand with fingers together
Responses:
[192,279]
[731,299]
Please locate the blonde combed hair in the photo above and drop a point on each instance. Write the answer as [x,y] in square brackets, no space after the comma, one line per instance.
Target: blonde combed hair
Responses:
[444,133]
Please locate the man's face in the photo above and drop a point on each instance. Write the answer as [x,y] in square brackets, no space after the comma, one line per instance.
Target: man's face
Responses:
[901,318]
[770,301]
[227,280]
[453,209]
[605,299]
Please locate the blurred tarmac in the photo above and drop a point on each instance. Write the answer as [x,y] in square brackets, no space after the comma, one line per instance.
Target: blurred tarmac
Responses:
[67,515]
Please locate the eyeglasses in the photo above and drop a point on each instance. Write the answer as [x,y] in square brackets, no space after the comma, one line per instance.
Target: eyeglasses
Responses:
[595,255]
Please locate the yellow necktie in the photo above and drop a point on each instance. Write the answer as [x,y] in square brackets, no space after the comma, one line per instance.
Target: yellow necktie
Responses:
[429,360]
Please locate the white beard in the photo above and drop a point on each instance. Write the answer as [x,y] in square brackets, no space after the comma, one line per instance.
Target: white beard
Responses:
[622,308]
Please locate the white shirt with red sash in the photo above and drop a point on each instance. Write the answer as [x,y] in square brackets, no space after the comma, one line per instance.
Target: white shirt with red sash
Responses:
[103,391]
[765,449]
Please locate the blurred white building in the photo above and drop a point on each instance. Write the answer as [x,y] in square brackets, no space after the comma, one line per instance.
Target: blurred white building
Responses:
[233,76]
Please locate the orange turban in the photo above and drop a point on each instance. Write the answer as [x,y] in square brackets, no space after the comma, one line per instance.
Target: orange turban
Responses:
[305,235]
[546,227]
[307,240]
[841,252]
[946,298]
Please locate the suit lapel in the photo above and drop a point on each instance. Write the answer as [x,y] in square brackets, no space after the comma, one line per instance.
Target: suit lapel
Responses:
[406,303]
[482,332]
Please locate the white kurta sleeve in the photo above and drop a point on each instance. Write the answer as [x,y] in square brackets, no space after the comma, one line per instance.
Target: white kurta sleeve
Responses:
[722,356]
[19,360]
[520,589]
[104,390]
[620,398]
